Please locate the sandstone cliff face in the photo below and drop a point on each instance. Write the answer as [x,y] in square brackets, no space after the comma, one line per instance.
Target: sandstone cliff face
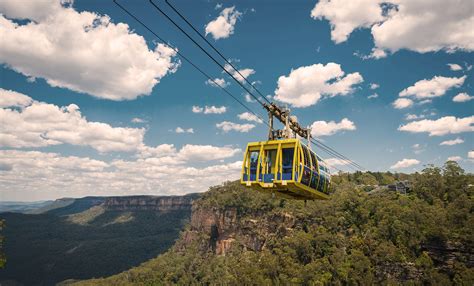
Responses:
[219,230]
[162,204]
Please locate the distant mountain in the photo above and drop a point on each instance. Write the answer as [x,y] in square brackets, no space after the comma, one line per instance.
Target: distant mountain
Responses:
[89,237]
[22,207]
[238,236]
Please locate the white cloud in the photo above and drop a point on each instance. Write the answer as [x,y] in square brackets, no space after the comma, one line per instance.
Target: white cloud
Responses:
[215,110]
[209,109]
[10,98]
[441,126]
[138,120]
[244,73]
[36,10]
[413,116]
[455,67]
[401,103]
[223,26]
[454,158]
[218,82]
[374,86]
[182,130]
[336,162]
[306,85]
[323,128]
[435,87]
[40,124]
[462,97]
[84,52]
[346,16]
[247,116]
[206,152]
[417,148]
[470,154]
[197,109]
[452,142]
[37,175]
[405,163]
[163,150]
[248,98]
[227,126]
[421,26]
[375,95]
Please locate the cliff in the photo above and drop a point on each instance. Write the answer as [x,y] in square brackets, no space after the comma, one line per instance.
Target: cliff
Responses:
[154,203]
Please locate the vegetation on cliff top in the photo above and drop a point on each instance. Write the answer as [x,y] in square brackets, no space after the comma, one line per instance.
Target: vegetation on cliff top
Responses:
[425,236]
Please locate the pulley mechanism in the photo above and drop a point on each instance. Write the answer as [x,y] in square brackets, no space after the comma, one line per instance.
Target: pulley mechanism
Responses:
[292,127]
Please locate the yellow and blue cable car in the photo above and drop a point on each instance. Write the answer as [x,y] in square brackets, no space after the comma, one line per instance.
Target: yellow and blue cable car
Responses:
[286,167]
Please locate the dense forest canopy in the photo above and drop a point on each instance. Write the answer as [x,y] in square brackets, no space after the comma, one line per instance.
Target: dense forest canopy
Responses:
[359,236]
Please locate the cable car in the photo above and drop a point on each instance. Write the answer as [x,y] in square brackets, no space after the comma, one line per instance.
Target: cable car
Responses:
[285,166]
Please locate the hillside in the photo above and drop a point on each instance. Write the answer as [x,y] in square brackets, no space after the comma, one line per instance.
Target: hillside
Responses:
[90,237]
[239,237]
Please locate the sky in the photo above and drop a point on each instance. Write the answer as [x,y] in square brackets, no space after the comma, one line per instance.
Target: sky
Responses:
[93,104]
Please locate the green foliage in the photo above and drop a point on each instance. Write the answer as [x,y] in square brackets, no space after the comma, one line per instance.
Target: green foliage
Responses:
[3,259]
[45,249]
[355,238]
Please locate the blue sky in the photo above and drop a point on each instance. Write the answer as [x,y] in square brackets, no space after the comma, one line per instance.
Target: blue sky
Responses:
[59,66]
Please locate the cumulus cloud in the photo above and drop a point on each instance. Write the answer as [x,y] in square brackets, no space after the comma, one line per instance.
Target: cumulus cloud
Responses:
[413,116]
[402,24]
[10,98]
[209,109]
[306,85]
[336,162]
[223,26]
[247,116]
[452,142]
[454,158]
[218,82]
[442,126]
[462,97]
[435,87]
[51,175]
[215,110]
[405,163]
[455,67]
[470,154]
[375,95]
[343,16]
[138,120]
[40,124]
[374,86]
[197,109]
[323,128]
[227,126]
[244,73]
[401,103]
[206,152]
[84,52]
[182,130]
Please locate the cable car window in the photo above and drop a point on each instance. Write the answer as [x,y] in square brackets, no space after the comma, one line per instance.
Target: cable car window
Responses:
[287,162]
[314,178]
[306,176]
[253,163]
[270,161]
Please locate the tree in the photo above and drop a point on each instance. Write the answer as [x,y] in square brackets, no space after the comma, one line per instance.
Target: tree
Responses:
[3,259]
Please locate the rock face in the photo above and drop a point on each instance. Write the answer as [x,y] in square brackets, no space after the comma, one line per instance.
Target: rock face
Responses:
[219,230]
[161,204]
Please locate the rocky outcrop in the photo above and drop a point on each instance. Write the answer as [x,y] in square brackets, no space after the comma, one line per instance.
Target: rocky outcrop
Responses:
[219,230]
[162,203]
